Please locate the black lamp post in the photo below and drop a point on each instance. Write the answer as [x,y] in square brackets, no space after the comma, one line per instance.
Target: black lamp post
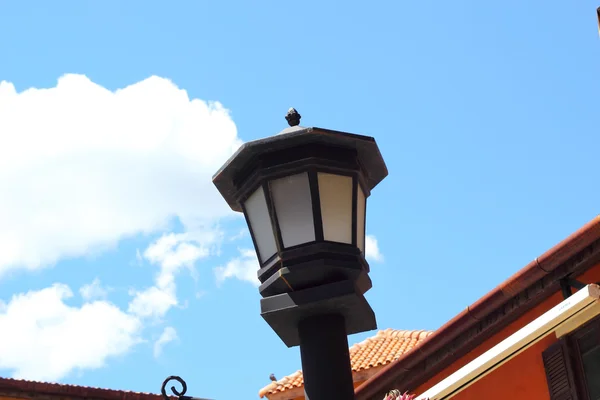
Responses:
[303,193]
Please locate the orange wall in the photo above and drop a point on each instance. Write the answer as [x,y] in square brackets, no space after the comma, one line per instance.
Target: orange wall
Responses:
[523,377]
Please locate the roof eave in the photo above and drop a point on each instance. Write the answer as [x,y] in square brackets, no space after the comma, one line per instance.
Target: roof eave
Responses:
[534,272]
[8,385]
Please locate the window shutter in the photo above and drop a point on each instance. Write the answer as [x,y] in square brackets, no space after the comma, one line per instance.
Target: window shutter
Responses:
[559,371]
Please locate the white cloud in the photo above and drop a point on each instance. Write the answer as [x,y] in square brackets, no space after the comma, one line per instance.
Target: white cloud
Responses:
[93,291]
[175,251]
[372,249]
[86,166]
[171,252]
[43,338]
[138,257]
[168,335]
[240,235]
[153,301]
[244,267]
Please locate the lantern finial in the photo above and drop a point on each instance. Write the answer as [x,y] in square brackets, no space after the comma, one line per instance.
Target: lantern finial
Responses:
[293,117]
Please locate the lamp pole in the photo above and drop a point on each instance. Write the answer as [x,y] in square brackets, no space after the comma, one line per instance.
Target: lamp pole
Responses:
[304,194]
[325,357]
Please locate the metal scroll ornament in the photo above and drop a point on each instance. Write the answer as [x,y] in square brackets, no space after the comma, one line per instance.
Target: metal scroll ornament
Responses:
[181,395]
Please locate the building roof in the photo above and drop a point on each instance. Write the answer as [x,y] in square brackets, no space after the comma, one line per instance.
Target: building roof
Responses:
[381,349]
[534,283]
[17,386]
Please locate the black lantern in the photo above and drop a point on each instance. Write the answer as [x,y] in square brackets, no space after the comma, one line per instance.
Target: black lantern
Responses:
[304,195]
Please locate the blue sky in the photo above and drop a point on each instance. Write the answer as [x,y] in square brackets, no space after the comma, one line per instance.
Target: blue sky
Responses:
[113,236]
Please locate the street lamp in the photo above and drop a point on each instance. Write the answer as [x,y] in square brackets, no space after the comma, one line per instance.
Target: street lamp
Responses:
[303,193]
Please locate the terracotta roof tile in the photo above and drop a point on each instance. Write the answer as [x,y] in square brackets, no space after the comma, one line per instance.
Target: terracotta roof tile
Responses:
[63,390]
[381,349]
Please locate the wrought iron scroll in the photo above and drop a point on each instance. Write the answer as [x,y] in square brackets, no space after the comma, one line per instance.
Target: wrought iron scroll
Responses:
[180,394]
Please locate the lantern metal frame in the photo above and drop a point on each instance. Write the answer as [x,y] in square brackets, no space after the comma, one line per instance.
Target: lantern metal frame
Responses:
[296,257]
[318,277]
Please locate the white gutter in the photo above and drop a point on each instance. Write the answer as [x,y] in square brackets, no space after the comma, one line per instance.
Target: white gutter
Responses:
[562,319]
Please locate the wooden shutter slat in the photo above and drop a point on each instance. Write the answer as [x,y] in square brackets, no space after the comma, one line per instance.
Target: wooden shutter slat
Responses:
[559,372]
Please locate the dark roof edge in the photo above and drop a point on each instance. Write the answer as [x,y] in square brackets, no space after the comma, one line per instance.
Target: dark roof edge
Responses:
[8,386]
[488,315]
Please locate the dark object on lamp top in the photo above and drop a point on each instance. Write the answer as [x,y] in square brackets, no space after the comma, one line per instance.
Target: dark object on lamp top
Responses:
[293,117]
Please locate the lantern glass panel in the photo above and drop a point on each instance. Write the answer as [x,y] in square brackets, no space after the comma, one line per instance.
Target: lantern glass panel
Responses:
[361,209]
[335,194]
[293,207]
[260,224]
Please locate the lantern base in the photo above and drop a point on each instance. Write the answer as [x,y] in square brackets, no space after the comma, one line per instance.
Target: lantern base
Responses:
[303,276]
[328,254]
[283,312]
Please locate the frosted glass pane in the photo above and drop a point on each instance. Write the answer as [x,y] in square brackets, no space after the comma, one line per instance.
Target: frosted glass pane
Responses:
[260,223]
[361,208]
[335,192]
[293,206]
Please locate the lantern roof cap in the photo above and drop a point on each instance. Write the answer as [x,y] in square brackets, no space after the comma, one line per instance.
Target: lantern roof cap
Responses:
[366,148]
